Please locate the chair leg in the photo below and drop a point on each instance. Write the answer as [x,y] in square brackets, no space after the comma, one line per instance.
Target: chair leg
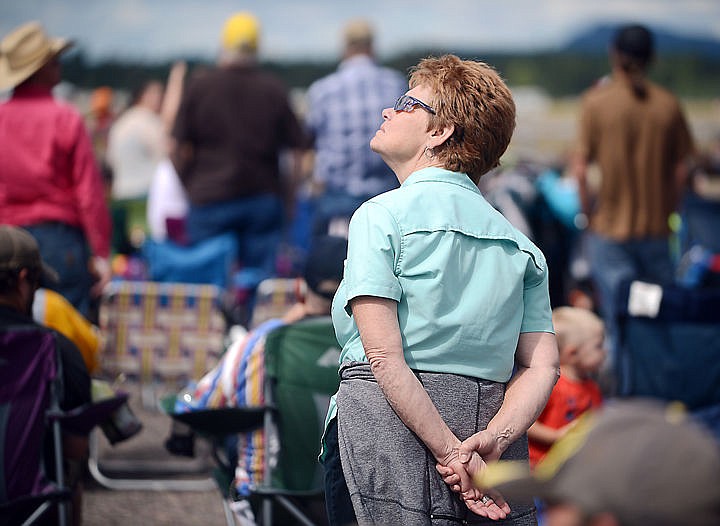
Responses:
[44,507]
[59,471]
[293,509]
[142,484]
[229,516]
[267,512]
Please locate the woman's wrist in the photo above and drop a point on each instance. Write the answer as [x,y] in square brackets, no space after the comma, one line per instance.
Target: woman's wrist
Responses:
[502,437]
[450,453]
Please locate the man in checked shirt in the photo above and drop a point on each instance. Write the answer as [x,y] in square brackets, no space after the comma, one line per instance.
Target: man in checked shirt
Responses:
[344,112]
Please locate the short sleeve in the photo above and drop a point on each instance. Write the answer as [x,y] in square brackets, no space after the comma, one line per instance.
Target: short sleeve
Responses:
[537,313]
[373,253]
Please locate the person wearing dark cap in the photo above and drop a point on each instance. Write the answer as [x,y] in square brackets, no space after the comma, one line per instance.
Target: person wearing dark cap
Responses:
[50,182]
[21,272]
[636,133]
[238,379]
[637,462]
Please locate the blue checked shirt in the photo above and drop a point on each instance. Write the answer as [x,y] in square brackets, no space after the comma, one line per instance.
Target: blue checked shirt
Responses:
[344,112]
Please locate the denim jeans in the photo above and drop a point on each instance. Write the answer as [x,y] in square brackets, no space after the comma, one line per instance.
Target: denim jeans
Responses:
[257,222]
[334,206]
[65,249]
[613,263]
[337,497]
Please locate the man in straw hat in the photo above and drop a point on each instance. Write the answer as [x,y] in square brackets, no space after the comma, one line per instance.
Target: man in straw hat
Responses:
[232,124]
[21,272]
[633,463]
[50,182]
[344,112]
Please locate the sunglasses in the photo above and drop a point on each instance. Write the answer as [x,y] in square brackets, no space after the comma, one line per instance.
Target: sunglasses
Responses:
[408,103]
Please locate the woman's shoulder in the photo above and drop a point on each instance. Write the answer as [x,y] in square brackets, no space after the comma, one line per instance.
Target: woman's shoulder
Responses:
[419,207]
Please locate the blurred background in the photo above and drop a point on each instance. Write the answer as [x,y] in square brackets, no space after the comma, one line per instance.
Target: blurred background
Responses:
[549,51]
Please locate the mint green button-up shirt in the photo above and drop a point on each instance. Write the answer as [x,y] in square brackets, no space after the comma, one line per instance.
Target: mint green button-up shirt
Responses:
[466,281]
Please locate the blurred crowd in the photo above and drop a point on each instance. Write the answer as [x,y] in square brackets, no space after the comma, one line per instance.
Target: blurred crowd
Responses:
[215,175]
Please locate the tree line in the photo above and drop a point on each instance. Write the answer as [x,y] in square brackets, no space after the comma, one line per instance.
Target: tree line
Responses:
[559,74]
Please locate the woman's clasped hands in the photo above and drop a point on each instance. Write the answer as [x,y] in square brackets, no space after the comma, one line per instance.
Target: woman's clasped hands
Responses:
[460,470]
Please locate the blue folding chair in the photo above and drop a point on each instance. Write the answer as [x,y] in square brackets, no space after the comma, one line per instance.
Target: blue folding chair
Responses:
[669,346]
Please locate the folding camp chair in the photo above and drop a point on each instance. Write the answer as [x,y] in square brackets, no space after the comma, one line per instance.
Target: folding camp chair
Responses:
[670,345]
[301,374]
[30,383]
[158,337]
[28,370]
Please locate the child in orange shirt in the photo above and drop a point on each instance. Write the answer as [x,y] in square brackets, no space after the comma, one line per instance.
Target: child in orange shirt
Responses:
[580,335]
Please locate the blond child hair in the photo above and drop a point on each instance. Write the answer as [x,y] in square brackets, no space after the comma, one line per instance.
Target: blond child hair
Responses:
[574,324]
[580,336]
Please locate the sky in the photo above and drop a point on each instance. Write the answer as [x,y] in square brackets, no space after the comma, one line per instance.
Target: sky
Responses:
[310,29]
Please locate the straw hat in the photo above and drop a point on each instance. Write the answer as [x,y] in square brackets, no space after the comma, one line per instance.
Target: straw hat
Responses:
[24,51]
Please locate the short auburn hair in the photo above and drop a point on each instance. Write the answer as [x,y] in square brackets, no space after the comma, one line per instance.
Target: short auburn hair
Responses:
[471,96]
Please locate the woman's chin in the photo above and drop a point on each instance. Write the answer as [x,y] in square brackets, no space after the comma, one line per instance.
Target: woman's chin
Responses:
[375,142]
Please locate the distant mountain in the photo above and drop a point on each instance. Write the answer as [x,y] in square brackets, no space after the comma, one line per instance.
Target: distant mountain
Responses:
[595,40]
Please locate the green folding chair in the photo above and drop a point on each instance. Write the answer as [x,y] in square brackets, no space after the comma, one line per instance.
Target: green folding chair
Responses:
[301,374]
[301,369]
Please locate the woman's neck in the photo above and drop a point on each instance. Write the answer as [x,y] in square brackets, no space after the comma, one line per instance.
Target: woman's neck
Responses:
[405,170]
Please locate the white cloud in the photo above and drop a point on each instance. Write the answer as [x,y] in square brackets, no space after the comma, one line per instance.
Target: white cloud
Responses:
[294,28]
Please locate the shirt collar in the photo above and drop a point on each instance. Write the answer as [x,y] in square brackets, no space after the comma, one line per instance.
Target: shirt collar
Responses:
[356,61]
[9,315]
[441,175]
[30,90]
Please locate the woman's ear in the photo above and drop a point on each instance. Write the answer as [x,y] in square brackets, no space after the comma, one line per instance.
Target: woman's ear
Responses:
[439,135]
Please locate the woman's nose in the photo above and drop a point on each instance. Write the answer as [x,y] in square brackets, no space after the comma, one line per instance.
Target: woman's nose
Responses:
[386,113]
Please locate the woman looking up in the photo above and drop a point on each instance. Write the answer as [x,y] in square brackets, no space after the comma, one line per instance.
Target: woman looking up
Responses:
[443,314]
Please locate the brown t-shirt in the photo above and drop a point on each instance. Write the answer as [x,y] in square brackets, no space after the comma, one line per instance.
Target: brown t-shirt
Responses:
[234,121]
[637,144]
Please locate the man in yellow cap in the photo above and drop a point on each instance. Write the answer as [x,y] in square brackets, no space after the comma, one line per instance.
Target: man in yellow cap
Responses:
[50,182]
[232,124]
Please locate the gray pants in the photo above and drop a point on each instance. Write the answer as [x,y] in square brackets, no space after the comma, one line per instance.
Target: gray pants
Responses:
[390,473]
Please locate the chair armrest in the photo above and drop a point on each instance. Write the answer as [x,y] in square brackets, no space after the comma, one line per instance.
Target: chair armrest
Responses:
[83,419]
[222,421]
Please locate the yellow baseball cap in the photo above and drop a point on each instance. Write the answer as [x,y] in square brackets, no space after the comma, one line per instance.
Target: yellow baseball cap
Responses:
[241,31]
